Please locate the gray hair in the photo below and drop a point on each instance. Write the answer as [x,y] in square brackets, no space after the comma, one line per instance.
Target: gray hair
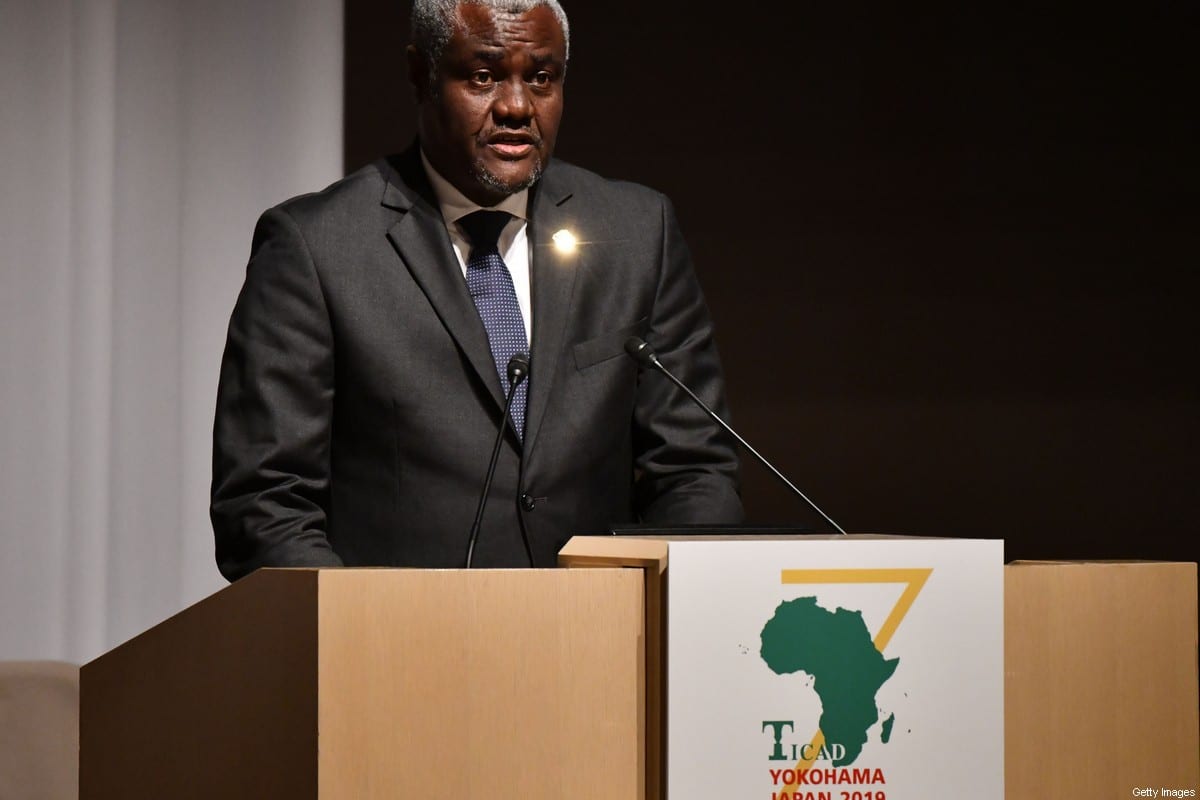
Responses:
[433,23]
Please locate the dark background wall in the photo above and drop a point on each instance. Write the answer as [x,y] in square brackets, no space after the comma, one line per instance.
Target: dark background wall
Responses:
[951,256]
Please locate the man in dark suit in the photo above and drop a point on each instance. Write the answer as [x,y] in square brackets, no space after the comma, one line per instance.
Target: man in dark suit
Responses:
[363,380]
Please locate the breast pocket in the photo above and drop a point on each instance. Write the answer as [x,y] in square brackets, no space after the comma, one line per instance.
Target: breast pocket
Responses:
[608,345]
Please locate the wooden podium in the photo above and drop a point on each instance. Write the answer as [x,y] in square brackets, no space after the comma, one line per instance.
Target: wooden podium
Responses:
[531,684]
[377,683]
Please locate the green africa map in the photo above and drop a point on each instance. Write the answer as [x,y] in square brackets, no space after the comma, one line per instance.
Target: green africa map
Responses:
[835,648]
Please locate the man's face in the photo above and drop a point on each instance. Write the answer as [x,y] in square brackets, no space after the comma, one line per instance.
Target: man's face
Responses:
[490,126]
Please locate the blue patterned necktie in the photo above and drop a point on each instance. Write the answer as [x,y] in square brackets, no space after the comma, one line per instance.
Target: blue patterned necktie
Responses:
[491,288]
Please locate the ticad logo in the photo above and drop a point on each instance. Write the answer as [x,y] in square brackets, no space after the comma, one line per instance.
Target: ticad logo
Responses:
[847,666]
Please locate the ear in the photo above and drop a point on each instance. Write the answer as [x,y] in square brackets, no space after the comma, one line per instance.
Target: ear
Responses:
[418,72]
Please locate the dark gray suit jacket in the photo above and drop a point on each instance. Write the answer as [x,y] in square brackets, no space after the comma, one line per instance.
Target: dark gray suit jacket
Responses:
[358,400]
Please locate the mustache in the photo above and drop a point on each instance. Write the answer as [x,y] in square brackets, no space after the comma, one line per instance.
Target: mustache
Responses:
[511,136]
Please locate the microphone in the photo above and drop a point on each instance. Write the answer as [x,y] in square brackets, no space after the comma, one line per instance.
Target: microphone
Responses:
[518,371]
[643,354]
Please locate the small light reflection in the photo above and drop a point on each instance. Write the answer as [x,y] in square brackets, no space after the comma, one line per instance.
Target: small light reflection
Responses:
[564,241]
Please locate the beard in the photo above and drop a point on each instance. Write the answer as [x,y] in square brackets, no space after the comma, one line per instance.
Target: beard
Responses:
[500,187]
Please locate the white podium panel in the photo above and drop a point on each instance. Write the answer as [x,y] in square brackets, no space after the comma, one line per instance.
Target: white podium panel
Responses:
[851,668]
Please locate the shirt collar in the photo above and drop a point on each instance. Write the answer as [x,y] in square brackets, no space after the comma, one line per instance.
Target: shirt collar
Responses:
[455,205]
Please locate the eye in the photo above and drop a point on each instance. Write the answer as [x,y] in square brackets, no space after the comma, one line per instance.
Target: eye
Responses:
[481,77]
[542,78]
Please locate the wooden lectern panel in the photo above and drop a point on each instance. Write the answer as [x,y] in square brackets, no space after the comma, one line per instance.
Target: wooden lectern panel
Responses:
[218,701]
[497,683]
[1100,679]
[647,557]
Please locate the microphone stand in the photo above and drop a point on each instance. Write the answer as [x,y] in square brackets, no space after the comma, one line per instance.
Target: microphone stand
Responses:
[518,371]
[641,352]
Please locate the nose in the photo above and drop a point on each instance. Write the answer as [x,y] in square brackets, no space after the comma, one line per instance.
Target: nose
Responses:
[513,102]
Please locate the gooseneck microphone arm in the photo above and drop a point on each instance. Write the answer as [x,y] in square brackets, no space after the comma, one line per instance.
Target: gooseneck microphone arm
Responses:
[643,353]
[518,371]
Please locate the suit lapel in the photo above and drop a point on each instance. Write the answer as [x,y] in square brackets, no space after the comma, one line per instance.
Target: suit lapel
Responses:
[553,279]
[423,245]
